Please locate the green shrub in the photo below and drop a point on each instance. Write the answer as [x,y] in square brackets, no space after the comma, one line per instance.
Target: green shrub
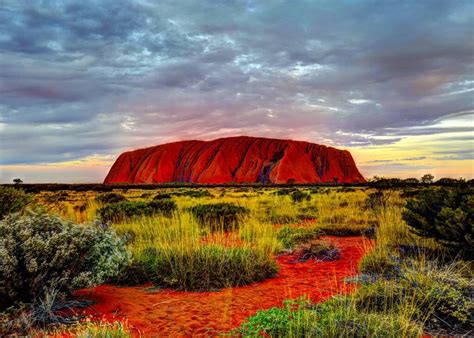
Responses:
[12,200]
[125,210]
[162,197]
[219,216]
[194,193]
[293,319]
[292,236]
[447,215]
[110,197]
[299,196]
[40,252]
[208,267]
[334,318]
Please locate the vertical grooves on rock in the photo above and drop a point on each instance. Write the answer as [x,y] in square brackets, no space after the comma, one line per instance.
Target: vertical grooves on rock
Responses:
[237,159]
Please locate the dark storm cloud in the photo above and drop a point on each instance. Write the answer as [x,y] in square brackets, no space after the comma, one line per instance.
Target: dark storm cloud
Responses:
[98,77]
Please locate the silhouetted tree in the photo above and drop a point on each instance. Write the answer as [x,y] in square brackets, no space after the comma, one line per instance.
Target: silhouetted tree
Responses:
[17,181]
[427,179]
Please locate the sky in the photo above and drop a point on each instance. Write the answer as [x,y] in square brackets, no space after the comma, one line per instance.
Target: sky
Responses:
[83,81]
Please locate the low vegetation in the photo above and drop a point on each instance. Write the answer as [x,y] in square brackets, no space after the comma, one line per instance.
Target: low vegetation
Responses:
[413,282]
[12,200]
[125,210]
[219,216]
[110,197]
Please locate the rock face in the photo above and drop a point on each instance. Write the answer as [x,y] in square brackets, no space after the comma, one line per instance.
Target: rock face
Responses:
[235,159]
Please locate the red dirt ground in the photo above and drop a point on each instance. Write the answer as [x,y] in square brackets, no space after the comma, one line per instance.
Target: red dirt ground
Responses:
[173,313]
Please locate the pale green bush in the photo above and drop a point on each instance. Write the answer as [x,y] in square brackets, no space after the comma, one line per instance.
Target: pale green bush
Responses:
[41,252]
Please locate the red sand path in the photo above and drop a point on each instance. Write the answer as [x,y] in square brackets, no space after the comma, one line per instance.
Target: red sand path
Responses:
[174,313]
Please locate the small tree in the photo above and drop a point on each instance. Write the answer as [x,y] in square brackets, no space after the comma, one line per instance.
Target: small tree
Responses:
[427,179]
[17,181]
[447,215]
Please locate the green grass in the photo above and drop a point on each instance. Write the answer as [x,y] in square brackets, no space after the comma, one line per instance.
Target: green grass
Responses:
[335,318]
[410,287]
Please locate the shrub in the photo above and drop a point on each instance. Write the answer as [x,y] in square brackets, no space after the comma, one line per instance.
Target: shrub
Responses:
[162,197]
[194,193]
[318,250]
[447,215]
[202,268]
[124,210]
[12,200]
[292,236]
[376,200]
[219,216]
[110,197]
[298,196]
[40,252]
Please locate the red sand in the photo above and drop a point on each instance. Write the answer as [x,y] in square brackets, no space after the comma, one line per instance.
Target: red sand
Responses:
[173,313]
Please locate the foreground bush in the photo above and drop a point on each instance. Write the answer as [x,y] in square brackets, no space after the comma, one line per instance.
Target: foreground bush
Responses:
[40,252]
[202,268]
[334,318]
[447,215]
[124,210]
[438,297]
[110,197]
[12,200]
[219,216]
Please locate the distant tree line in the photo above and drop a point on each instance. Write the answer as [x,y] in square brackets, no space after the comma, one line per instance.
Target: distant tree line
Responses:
[425,180]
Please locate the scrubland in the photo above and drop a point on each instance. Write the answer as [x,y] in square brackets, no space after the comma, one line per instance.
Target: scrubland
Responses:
[412,282]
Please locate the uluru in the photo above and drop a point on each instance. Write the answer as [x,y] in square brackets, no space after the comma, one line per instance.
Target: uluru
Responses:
[239,159]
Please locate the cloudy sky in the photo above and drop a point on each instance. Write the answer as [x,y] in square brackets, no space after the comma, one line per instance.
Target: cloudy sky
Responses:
[82,81]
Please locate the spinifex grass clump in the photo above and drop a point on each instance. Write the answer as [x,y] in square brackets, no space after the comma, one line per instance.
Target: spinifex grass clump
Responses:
[219,216]
[40,252]
[206,267]
[123,210]
[446,215]
[170,252]
[110,197]
[12,200]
